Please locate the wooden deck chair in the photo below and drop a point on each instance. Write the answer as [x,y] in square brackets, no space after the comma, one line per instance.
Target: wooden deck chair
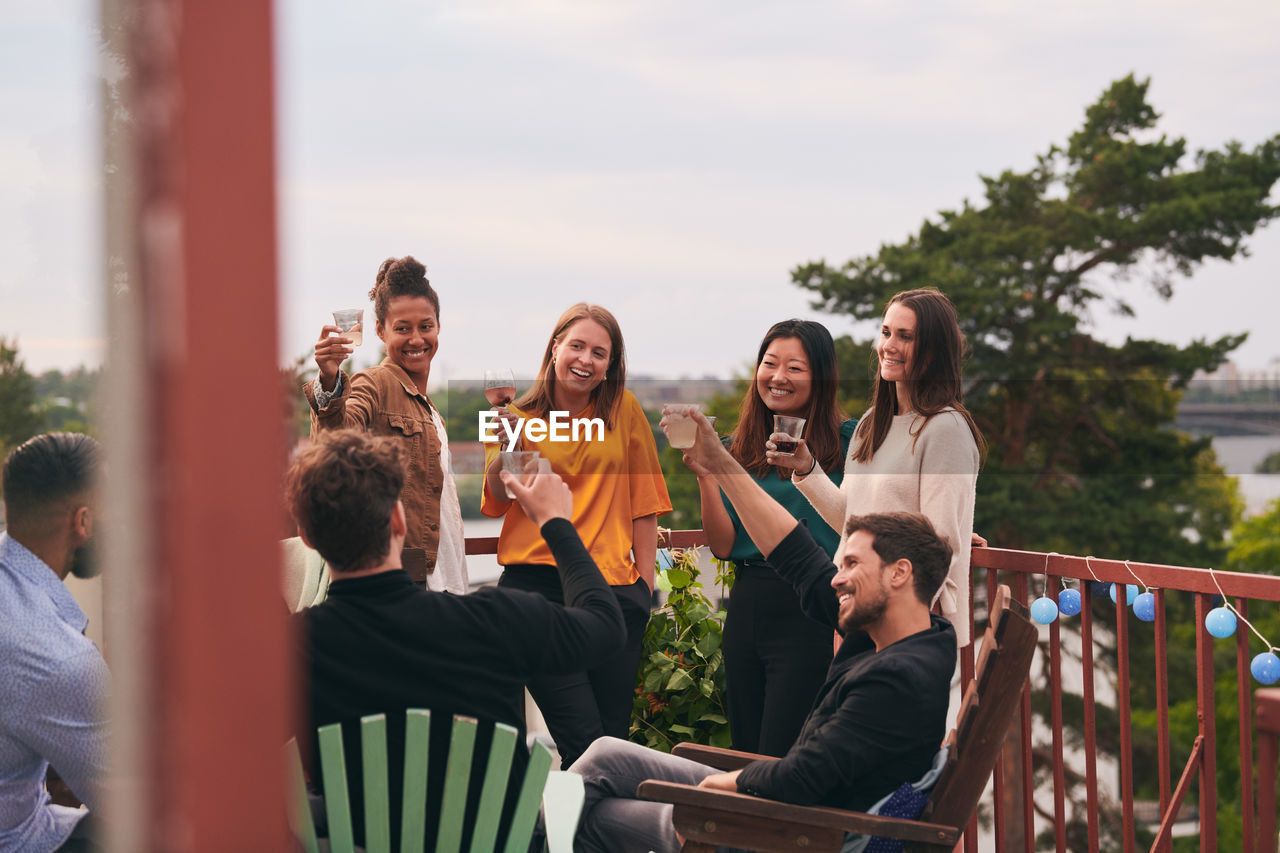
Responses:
[707,818]
[377,810]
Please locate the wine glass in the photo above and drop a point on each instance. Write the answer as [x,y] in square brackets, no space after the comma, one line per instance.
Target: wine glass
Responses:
[499,387]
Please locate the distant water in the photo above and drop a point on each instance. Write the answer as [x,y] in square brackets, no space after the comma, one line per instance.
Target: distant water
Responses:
[1239,454]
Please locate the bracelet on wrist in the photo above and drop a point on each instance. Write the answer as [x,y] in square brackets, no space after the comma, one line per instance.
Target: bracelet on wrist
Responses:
[811,467]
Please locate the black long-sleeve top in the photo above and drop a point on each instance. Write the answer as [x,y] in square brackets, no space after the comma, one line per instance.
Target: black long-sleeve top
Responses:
[381,644]
[880,716]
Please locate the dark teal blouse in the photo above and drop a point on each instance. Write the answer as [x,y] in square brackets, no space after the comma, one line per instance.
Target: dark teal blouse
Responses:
[795,503]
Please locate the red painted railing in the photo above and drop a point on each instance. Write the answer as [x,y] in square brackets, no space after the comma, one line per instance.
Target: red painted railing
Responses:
[1013,801]
[1200,764]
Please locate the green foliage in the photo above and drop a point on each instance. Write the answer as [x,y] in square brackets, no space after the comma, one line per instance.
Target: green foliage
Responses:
[297,412]
[681,686]
[20,416]
[470,494]
[67,401]
[1270,464]
[460,405]
[1255,543]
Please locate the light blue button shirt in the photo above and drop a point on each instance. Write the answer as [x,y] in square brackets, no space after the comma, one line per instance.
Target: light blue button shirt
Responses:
[53,694]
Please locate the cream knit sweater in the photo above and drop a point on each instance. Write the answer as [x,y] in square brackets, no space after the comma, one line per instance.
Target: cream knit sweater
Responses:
[929,467]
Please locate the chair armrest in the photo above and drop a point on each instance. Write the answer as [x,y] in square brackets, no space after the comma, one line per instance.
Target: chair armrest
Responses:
[727,805]
[718,757]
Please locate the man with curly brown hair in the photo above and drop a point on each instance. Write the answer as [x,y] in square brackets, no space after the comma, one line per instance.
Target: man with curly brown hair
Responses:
[380,643]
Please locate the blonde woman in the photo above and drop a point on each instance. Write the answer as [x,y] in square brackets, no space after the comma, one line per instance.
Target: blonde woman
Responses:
[618,494]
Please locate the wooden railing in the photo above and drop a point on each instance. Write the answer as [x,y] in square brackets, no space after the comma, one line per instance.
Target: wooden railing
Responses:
[1200,763]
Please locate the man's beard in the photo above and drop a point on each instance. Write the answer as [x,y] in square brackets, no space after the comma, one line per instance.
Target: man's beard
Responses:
[84,561]
[864,612]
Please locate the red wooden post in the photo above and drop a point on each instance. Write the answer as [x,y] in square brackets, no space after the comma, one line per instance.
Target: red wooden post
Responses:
[1162,705]
[1122,706]
[1205,714]
[1090,726]
[1268,722]
[1244,719]
[1055,725]
[208,685]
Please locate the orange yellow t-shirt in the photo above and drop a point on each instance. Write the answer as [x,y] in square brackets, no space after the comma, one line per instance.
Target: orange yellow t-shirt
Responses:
[614,481]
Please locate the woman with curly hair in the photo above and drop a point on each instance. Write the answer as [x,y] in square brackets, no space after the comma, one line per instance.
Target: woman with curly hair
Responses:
[391,399]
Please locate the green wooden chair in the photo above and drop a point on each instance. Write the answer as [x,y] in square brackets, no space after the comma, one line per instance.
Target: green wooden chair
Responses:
[377,809]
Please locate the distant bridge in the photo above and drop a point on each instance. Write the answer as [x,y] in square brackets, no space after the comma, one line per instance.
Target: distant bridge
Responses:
[1230,418]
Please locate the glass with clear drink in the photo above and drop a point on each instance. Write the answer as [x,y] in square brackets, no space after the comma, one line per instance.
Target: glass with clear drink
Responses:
[351,322]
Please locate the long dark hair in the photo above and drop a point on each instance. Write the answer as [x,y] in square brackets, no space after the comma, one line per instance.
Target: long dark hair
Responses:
[824,416]
[935,374]
[540,398]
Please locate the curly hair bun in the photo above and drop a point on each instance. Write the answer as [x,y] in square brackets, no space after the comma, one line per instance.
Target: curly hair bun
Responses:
[405,273]
[405,276]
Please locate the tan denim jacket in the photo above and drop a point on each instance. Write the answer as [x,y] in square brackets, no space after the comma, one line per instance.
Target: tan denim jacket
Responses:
[383,400]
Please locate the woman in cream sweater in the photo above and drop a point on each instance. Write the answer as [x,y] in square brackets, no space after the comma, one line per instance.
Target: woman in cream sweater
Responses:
[917,448]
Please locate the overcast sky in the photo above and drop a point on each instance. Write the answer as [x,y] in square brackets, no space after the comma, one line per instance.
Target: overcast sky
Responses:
[671,161]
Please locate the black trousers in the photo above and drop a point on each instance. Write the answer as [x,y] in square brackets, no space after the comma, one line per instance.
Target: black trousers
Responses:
[582,706]
[775,658]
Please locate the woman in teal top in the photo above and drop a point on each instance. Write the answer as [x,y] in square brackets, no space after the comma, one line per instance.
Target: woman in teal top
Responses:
[776,658]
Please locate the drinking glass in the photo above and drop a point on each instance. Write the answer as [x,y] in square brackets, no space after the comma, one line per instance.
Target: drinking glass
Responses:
[787,432]
[681,429]
[351,322]
[499,387]
[520,463]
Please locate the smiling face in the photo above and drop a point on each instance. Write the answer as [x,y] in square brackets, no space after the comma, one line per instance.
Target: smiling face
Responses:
[896,345]
[861,583]
[411,333]
[581,358]
[784,379]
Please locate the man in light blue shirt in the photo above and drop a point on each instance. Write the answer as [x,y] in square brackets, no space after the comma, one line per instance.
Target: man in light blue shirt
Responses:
[53,680]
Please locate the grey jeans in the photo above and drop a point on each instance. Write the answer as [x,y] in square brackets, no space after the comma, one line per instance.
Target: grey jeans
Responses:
[613,820]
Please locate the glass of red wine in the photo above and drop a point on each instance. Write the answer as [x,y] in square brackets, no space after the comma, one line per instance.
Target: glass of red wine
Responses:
[787,432]
[499,387]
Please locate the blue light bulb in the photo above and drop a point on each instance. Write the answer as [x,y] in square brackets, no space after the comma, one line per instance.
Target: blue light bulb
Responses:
[1220,622]
[1043,610]
[1130,592]
[1266,668]
[1069,602]
[1144,607]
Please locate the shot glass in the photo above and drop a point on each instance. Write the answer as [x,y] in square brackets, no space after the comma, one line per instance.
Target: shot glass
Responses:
[351,322]
[787,432]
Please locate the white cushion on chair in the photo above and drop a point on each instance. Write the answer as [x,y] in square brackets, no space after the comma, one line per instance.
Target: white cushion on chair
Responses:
[561,807]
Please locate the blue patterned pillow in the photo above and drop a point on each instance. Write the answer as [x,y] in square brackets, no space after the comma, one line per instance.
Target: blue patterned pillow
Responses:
[906,803]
